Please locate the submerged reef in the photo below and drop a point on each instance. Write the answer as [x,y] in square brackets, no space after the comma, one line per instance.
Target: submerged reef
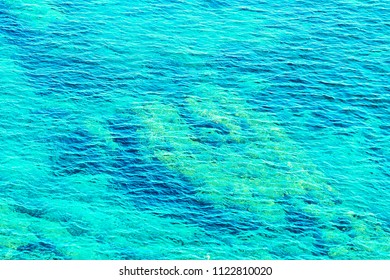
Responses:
[194,130]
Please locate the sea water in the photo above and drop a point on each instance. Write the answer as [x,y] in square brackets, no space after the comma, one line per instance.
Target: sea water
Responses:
[196,129]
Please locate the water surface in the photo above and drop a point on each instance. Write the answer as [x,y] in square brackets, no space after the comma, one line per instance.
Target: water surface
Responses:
[187,129]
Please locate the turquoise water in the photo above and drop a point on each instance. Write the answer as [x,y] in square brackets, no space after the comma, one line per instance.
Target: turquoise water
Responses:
[194,129]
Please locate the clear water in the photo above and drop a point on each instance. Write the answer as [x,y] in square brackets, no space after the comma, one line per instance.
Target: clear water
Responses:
[194,129]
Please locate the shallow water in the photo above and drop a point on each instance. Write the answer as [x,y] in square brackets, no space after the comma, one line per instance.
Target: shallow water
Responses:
[187,129]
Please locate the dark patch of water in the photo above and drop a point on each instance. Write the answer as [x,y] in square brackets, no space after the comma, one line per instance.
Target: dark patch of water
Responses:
[40,250]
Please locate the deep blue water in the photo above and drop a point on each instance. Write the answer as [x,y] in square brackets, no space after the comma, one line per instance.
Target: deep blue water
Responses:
[194,129]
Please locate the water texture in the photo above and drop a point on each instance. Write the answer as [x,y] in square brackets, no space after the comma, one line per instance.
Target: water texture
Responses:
[194,129]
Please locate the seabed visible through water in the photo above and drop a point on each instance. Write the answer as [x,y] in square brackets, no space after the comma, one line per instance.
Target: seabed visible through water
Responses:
[194,129]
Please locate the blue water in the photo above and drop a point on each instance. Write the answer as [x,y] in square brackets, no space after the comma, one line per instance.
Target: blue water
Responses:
[195,129]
